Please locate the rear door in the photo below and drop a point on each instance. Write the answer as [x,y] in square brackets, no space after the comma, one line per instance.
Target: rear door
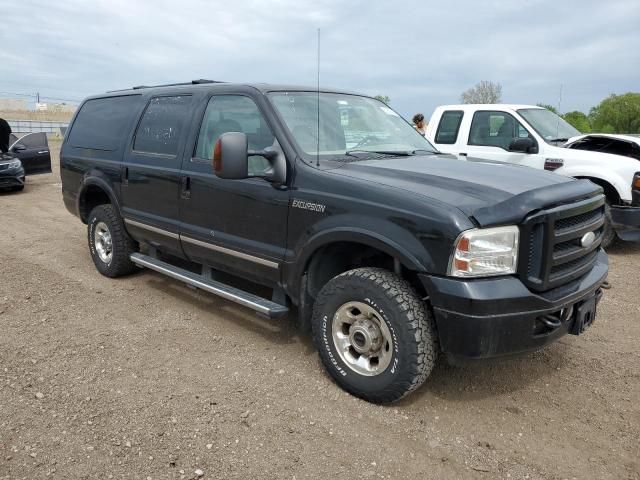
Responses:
[151,171]
[33,151]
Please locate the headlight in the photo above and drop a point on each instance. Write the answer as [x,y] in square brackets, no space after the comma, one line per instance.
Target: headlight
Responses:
[485,252]
[14,164]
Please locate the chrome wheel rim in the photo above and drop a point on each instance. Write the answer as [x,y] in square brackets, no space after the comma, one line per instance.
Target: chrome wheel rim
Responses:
[362,338]
[103,242]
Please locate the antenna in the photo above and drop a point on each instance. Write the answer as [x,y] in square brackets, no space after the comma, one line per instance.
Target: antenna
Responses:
[318,105]
[559,103]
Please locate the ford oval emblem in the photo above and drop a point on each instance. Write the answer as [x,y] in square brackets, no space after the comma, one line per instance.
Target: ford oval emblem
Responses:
[587,239]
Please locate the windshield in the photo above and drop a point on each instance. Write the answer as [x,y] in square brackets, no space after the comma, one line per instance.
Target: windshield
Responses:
[350,126]
[550,126]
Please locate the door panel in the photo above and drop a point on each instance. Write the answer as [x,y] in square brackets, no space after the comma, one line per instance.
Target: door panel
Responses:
[233,225]
[491,133]
[151,172]
[33,151]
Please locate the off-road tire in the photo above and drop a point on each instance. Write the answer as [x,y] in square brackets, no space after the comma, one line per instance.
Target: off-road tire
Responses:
[123,244]
[408,318]
[608,233]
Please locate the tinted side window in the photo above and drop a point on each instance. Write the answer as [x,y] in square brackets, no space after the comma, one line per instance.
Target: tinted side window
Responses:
[495,129]
[101,123]
[161,125]
[447,132]
[235,113]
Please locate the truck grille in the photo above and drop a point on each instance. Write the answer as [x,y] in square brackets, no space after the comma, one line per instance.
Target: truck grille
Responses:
[552,252]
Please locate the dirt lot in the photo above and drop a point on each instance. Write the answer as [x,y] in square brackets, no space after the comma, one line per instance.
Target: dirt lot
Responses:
[142,377]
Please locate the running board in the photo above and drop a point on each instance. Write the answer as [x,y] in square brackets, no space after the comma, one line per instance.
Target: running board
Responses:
[246,299]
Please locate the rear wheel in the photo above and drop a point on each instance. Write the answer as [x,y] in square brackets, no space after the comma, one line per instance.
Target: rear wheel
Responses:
[109,243]
[374,334]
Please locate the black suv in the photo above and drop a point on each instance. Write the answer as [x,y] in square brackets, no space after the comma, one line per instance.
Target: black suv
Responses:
[390,251]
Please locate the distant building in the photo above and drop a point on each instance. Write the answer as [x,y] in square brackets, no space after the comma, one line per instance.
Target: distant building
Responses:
[55,107]
[13,104]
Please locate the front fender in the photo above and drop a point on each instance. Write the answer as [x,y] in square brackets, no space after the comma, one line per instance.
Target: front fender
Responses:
[613,178]
[381,234]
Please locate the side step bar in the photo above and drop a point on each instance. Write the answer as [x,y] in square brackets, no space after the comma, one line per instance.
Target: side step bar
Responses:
[254,302]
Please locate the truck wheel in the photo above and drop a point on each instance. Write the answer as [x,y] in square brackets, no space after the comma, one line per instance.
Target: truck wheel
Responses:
[608,233]
[109,243]
[375,336]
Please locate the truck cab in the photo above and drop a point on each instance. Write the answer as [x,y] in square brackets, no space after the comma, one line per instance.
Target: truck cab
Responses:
[536,137]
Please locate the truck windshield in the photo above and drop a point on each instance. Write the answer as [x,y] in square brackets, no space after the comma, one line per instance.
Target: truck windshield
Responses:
[350,126]
[550,126]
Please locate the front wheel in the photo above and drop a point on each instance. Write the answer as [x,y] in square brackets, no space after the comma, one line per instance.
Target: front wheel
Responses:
[608,233]
[374,334]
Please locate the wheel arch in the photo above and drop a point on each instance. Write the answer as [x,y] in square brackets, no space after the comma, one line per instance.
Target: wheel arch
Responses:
[610,190]
[331,253]
[94,191]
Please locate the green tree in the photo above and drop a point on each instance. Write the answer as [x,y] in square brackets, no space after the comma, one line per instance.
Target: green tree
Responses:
[483,92]
[579,120]
[617,114]
[548,107]
[383,98]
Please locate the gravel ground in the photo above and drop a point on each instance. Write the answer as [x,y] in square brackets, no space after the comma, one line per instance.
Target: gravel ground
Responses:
[142,377]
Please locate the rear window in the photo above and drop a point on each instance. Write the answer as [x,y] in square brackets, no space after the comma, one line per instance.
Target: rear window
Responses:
[101,124]
[449,127]
[161,125]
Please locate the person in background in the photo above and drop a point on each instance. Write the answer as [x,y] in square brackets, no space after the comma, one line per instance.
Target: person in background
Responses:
[5,132]
[419,124]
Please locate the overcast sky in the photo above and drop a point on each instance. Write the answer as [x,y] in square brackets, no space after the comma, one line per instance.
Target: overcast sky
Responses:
[419,53]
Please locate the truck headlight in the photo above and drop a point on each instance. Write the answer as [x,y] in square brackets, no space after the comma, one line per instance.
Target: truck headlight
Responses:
[485,252]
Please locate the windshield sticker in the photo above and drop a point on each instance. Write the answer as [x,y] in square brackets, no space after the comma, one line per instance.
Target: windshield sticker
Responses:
[388,111]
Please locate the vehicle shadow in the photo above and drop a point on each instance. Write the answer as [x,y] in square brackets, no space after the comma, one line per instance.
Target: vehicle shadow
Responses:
[620,247]
[489,378]
[280,331]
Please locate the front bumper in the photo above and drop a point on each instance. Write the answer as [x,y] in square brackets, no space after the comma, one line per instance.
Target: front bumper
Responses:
[12,178]
[492,317]
[626,222]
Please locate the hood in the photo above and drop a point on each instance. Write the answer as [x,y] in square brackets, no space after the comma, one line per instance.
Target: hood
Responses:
[491,192]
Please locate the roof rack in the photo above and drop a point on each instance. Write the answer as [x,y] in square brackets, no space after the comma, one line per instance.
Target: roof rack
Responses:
[192,82]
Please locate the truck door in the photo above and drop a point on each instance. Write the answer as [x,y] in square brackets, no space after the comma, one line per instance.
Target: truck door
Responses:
[237,226]
[491,137]
[33,151]
[151,171]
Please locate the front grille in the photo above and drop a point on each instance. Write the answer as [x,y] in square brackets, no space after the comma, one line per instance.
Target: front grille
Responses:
[4,166]
[553,253]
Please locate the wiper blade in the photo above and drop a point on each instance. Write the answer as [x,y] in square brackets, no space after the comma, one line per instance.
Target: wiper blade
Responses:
[558,139]
[424,150]
[384,153]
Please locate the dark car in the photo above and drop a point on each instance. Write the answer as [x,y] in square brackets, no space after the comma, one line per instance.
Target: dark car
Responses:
[388,250]
[28,155]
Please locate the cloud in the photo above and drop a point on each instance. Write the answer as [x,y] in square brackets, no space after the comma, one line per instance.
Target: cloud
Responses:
[420,54]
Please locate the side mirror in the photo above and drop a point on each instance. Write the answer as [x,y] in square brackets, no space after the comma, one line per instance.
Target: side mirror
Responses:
[18,147]
[231,156]
[523,145]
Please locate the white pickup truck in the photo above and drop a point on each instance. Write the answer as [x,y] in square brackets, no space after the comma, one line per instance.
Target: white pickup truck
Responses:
[536,137]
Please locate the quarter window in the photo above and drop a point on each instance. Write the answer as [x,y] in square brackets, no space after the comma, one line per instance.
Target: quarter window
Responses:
[235,113]
[496,129]
[101,123]
[161,126]
[447,132]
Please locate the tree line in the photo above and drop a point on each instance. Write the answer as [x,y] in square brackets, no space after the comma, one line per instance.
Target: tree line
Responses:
[614,114]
